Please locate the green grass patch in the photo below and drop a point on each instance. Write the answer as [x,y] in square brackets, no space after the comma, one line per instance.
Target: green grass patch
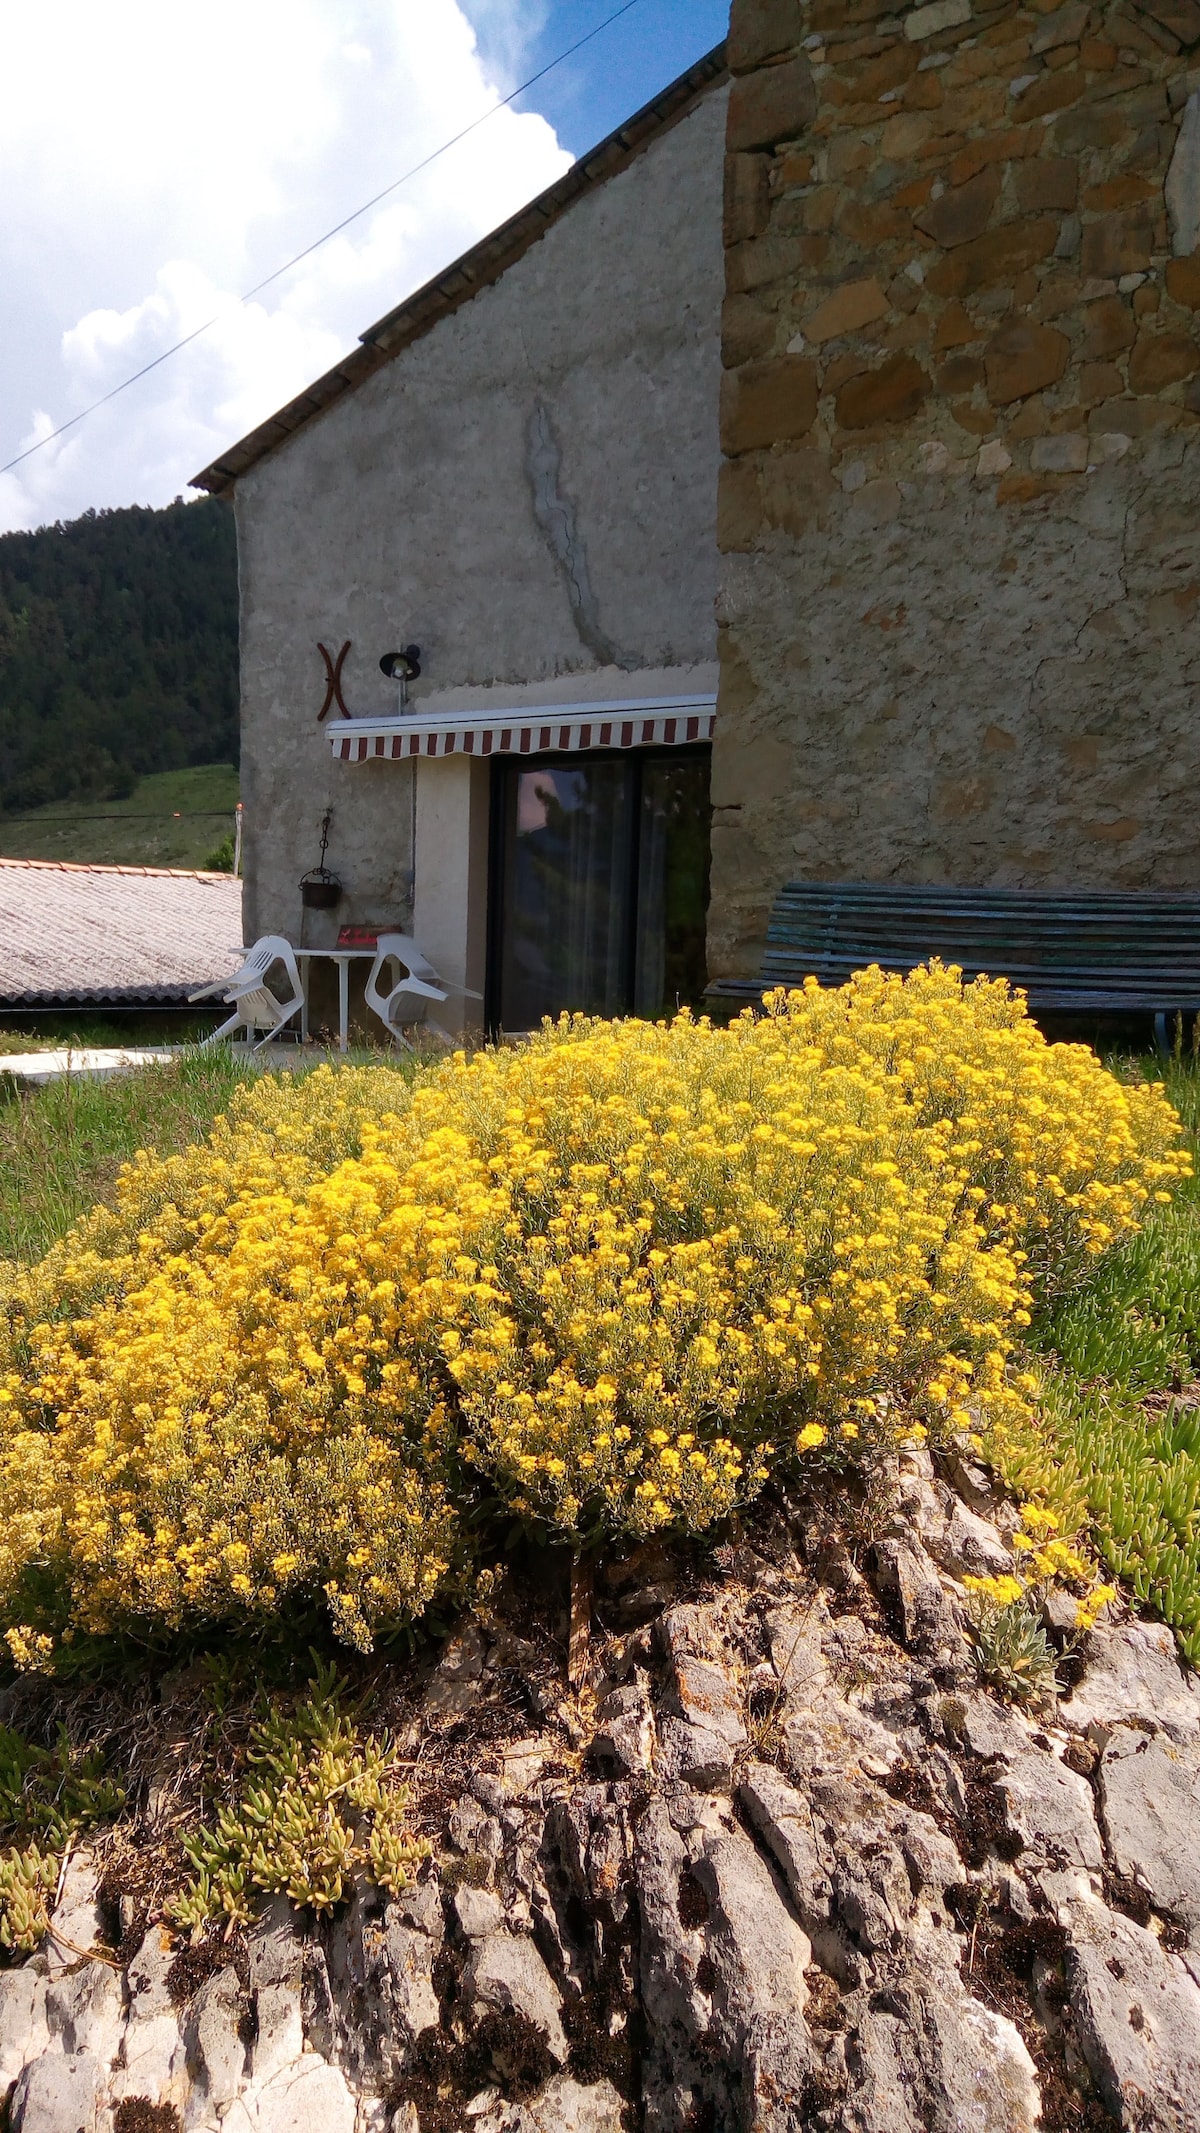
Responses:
[61,1147]
[74,1032]
[1120,1450]
[177,818]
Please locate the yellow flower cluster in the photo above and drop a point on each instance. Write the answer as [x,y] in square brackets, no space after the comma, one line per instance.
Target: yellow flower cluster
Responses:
[610,1280]
[1045,1560]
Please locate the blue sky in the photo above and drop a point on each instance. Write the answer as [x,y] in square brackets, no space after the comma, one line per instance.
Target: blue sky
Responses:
[620,70]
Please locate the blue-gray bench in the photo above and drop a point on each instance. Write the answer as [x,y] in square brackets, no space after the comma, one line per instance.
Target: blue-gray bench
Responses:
[1089,953]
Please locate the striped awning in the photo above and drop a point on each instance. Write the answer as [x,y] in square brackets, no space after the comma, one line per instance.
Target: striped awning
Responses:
[547,729]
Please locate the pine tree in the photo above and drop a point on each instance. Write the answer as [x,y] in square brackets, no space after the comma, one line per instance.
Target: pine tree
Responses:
[118,651]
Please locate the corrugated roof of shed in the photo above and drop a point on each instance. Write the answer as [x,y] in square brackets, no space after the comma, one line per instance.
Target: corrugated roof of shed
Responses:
[458,283]
[95,936]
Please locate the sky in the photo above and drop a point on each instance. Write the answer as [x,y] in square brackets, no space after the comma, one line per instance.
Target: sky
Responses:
[156,162]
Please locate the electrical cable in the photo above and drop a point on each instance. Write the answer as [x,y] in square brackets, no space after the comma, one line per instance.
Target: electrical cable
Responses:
[315,246]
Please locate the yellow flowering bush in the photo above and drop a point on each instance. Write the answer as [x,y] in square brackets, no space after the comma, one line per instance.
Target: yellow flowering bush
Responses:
[608,1281]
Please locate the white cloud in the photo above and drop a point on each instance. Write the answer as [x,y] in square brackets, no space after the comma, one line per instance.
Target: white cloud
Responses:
[157,161]
[505,29]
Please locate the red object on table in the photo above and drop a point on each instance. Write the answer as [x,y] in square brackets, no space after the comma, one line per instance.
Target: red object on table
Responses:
[358,937]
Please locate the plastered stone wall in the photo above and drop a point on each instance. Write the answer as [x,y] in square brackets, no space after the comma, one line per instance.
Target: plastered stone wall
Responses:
[960,499]
[528,492]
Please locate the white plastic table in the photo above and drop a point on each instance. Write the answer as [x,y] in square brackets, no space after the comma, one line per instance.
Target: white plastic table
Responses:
[343,957]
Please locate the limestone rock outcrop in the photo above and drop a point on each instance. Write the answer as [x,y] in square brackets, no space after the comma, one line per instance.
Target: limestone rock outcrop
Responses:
[789,1867]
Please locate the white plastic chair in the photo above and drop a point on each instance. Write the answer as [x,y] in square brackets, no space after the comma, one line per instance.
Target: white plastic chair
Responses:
[408,999]
[255,1005]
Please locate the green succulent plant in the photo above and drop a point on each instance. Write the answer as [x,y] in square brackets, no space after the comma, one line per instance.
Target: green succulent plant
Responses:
[1012,1652]
[319,1806]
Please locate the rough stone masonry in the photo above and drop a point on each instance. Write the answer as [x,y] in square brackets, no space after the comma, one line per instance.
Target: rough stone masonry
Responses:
[960,417]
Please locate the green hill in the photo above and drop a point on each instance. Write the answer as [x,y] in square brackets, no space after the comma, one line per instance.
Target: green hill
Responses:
[177,818]
[118,653]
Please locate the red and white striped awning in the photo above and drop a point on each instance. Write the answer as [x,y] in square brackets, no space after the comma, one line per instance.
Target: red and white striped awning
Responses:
[529,730]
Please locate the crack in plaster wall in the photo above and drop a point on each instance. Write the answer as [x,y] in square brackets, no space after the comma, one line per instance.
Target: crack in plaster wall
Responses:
[555,515]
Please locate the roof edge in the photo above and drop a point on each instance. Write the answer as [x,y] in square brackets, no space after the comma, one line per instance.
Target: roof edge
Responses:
[90,866]
[464,278]
[65,999]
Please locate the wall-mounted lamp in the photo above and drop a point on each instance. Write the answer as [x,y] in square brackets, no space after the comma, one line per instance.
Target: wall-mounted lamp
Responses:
[402,667]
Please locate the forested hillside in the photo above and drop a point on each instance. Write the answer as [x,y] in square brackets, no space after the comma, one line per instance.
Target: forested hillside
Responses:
[118,651]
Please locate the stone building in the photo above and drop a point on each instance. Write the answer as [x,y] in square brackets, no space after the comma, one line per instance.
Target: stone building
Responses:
[953,553]
[515,472]
[960,584]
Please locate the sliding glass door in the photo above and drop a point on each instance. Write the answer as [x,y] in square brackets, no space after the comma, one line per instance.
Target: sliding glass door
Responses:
[599,885]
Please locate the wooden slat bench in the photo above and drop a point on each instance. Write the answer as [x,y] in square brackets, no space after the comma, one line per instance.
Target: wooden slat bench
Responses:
[1088,953]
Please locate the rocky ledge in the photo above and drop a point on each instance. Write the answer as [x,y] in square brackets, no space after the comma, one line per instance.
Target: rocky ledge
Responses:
[786,1866]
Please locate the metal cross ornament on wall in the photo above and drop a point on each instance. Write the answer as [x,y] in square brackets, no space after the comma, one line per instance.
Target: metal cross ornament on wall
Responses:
[333,681]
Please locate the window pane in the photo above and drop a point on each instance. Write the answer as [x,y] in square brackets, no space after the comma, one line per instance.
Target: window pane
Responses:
[565,925]
[673,854]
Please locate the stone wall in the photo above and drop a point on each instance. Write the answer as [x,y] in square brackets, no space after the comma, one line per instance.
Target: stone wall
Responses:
[960,415]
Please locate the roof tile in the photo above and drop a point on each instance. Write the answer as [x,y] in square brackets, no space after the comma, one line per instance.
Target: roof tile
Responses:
[93,935]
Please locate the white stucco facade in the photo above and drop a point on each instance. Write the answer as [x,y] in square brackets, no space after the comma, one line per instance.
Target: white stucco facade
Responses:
[527,492]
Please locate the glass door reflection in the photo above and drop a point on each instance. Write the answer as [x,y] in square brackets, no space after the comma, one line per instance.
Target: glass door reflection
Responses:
[600,885]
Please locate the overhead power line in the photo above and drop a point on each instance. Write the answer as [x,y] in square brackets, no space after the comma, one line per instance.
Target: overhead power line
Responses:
[315,246]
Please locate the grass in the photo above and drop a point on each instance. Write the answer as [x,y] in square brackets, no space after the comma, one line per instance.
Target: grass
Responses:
[175,819]
[116,1032]
[61,1147]
[1121,1409]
